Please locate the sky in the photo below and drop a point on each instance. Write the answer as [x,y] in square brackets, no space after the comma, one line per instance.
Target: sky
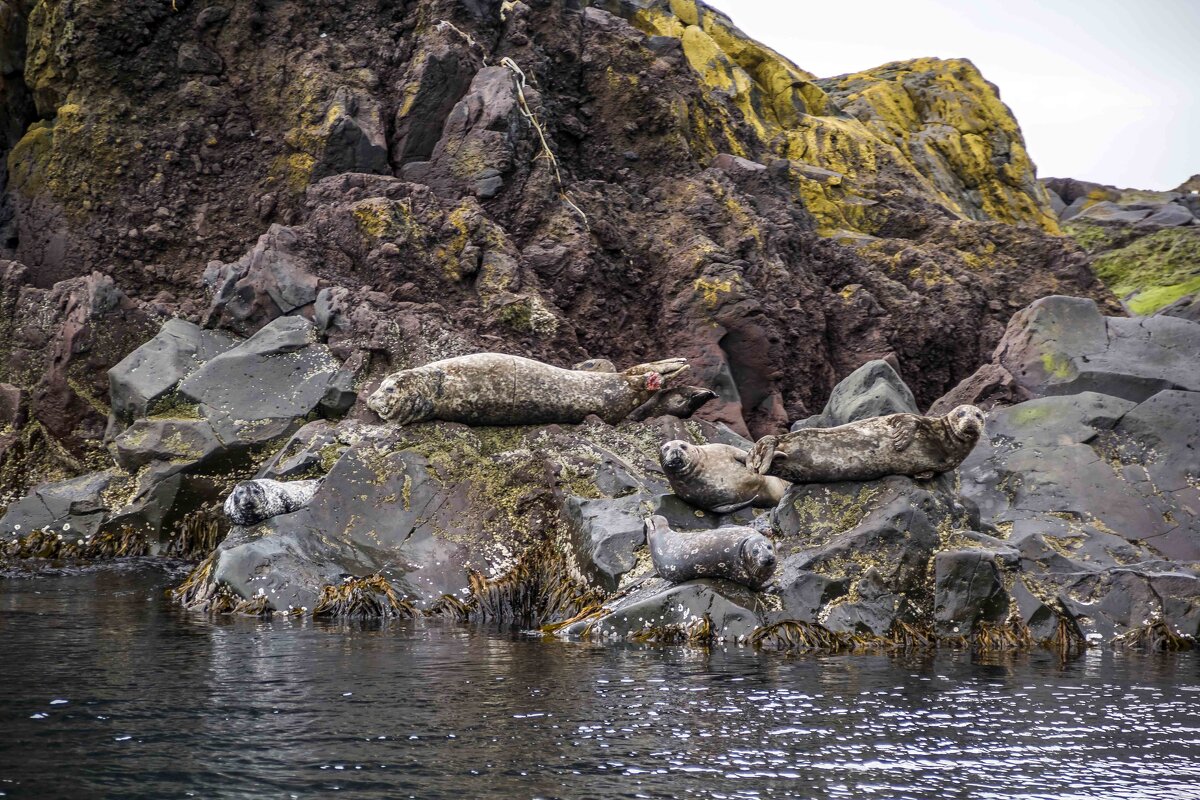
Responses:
[1104,90]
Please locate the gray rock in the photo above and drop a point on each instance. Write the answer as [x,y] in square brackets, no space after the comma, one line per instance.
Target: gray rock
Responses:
[1170,215]
[872,390]
[269,281]
[1185,308]
[148,374]
[707,610]
[1063,345]
[968,588]
[188,443]
[75,507]
[1061,476]
[1107,211]
[263,388]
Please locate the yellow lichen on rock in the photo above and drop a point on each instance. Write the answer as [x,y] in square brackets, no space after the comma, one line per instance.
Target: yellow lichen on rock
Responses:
[935,125]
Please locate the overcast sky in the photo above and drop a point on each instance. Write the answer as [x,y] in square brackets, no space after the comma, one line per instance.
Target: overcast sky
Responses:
[1104,90]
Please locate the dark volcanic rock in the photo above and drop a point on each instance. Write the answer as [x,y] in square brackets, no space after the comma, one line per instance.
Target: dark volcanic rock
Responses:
[1064,345]
[872,390]
[149,373]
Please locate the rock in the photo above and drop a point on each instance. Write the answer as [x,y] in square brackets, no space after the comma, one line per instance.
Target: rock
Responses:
[1063,345]
[73,508]
[268,282]
[1187,307]
[1171,215]
[656,611]
[352,135]
[872,390]
[1109,212]
[190,442]
[736,165]
[260,389]
[197,58]
[148,374]
[968,588]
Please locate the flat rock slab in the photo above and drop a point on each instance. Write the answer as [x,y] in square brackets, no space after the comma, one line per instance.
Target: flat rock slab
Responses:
[256,391]
[149,373]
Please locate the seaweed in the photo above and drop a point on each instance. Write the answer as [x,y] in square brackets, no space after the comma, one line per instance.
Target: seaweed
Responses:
[371,597]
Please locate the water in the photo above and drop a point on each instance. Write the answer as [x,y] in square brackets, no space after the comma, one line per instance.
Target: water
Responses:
[108,691]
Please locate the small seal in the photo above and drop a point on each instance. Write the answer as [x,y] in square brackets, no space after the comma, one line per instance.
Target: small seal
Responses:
[742,555]
[898,444]
[252,502]
[678,401]
[715,477]
[499,389]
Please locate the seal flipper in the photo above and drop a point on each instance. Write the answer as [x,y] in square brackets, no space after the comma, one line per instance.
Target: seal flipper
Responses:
[762,454]
[729,508]
[903,431]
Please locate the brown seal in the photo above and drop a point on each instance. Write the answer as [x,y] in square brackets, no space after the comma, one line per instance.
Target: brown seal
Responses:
[499,389]
[898,444]
[735,553]
[715,477]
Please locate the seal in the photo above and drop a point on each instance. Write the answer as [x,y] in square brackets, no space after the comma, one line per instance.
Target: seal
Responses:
[595,365]
[742,555]
[715,477]
[252,502]
[499,389]
[898,444]
[678,401]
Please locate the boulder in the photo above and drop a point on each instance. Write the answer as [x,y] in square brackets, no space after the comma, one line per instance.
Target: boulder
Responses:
[273,279]
[1064,345]
[1109,212]
[1170,215]
[263,388]
[872,390]
[968,588]
[72,508]
[699,611]
[149,373]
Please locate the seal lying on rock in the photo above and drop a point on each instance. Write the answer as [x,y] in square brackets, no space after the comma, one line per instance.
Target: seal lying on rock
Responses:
[898,444]
[678,401]
[498,389]
[715,477]
[251,502]
[741,555]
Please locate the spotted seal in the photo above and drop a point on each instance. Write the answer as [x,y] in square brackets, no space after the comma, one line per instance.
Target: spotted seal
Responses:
[252,502]
[499,389]
[898,444]
[715,477]
[738,554]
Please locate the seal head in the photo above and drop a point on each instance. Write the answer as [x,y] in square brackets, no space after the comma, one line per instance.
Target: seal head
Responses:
[678,457]
[758,558]
[406,397]
[965,422]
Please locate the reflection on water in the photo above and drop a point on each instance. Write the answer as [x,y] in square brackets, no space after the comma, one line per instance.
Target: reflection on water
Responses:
[109,691]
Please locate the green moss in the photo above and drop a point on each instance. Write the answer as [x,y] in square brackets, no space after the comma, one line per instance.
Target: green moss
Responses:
[1153,271]
[1030,415]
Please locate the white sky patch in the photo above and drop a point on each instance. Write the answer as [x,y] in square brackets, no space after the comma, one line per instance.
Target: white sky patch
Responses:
[1106,91]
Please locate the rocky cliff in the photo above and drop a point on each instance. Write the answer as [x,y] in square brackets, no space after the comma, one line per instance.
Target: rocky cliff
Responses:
[429,178]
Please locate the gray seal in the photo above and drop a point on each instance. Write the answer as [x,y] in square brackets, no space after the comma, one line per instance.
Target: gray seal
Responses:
[252,502]
[898,444]
[715,477]
[499,389]
[678,401]
[742,555]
